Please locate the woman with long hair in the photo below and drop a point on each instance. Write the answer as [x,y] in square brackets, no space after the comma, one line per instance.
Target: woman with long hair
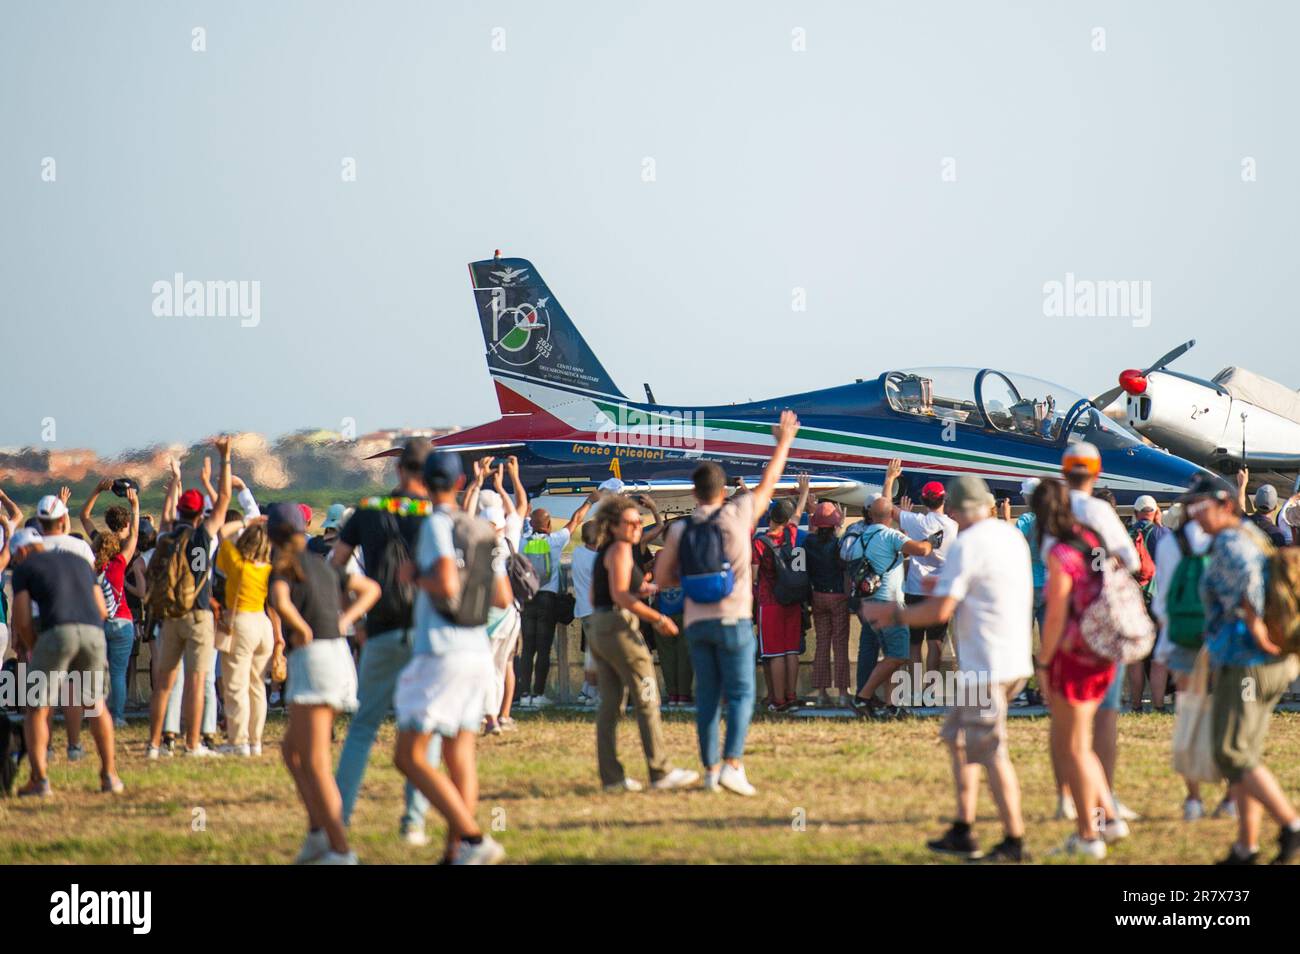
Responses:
[245,560]
[1076,679]
[307,592]
[623,660]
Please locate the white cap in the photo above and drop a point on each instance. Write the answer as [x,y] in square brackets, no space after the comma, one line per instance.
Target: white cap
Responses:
[613,485]
[1145,502]
[25,537]
[491,509]
[51,507]
[1028,486]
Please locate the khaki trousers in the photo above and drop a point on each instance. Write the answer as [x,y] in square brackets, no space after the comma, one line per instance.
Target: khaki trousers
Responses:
[623,661]
[242,670]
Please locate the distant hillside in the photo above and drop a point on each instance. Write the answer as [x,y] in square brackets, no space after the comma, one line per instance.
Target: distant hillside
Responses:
[315,466]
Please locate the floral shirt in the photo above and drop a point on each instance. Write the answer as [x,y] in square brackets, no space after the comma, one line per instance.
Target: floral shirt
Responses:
[1237,571]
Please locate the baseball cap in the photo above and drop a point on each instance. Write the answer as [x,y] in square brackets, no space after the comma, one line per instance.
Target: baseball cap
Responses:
[1266,498]
[1028,486]
[969,493]
[288,515]
[1081,456]
[414,453]
[191,502]
[825,515]
[932,490]
[334,516]
[1205,485]
[612,485]
[51,507]
[442,469]
[123,484]
[1145,502]
[25,537]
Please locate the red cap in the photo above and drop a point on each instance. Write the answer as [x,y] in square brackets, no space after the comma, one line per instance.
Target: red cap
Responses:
[191,502]
[306,514]
[932,491]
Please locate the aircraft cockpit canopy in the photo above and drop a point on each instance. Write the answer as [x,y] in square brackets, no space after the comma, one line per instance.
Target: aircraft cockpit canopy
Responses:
[1013,404]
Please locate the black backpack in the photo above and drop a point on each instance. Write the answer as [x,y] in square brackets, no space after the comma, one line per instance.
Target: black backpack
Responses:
[396,597]
[791,585]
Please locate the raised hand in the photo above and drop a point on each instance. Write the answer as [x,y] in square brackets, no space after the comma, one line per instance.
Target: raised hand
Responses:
[895,469]
[786,429]
[222,444]
[65,494]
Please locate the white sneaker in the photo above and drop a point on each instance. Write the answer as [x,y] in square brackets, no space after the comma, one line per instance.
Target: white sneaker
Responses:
[677,778]
[255,750]
[1114,830]
[1094,849]
[153,753]
[336,858]
[413,835]
[203,752]
[1193,810]
[540,701]
[315,845]
[525,701]
[1065,810]
[1123,811]
[627,785]
[486,852]
[711,781]
[734,780]
[243,751]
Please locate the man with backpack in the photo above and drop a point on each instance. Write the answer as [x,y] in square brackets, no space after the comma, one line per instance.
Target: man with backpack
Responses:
[385,529]
[709,555]
[544,546]
[781,588]
[445,688]
[1252,670]
[875,559]
[1181,556]
[180,594]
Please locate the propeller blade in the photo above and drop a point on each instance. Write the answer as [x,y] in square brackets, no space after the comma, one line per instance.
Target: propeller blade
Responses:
[1166,359]
[1106,398]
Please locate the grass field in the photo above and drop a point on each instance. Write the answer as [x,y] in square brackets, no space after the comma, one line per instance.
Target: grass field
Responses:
[865,792]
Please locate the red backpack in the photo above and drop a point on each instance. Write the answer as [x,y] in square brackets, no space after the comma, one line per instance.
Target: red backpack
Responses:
[1146,573]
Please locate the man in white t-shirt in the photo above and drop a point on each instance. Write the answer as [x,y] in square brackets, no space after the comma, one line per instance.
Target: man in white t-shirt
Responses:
[544,546]
[986,589]
[923,525]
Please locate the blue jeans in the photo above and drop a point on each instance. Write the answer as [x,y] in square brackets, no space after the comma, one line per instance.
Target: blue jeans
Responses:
[119,634]
[383,657]
[172,720]
[722,655]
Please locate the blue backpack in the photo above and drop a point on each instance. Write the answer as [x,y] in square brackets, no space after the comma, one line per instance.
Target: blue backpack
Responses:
[706,574]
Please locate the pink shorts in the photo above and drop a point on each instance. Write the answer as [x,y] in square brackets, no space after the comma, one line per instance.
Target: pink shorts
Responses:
[779,630]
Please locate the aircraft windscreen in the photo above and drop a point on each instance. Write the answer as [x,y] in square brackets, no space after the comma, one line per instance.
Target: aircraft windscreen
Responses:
[1096,428]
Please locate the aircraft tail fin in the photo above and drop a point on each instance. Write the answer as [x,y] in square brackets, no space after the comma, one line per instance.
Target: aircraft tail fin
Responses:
[533,347]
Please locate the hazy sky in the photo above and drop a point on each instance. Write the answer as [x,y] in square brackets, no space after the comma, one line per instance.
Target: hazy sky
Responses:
[775,169]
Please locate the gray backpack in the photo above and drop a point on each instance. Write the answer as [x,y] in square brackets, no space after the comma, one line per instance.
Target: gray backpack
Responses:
[475,543]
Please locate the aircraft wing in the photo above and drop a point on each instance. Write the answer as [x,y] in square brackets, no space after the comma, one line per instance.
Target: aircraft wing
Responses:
[677,495]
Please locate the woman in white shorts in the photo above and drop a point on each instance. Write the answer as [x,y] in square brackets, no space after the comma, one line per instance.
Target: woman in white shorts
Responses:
[306,591]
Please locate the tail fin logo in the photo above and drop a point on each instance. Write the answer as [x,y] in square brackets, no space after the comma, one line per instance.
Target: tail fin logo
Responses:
[507,277]
[521,334]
